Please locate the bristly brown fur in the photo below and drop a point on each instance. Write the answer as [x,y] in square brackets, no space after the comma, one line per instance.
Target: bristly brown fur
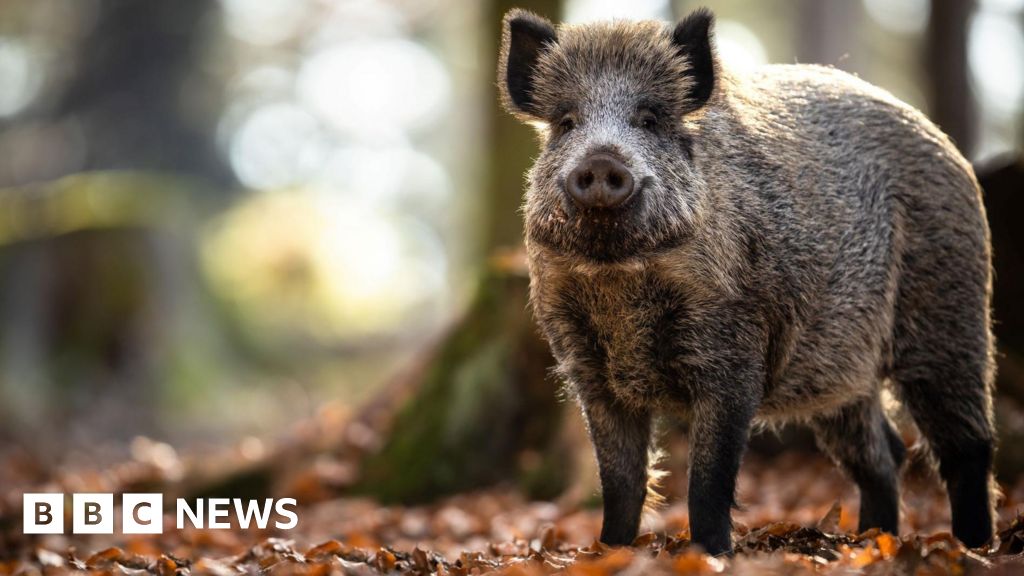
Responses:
[797,238]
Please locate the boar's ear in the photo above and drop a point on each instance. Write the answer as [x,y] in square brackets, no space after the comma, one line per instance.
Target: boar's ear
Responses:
[525,36]
[692,36]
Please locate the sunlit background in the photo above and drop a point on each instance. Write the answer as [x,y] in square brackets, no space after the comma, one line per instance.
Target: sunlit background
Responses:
[215,216]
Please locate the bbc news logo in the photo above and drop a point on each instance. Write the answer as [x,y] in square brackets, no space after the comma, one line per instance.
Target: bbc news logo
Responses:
[144,513]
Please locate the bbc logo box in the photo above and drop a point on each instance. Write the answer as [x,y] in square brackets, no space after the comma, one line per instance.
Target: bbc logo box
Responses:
[43,514]
[92,513]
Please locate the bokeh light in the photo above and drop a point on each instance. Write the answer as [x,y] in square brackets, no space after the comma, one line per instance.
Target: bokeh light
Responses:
[311,260]
[325,127]
[738,45]
[1006,6]
[398,177]
[20,75]
[899,16]
[996,53]
[375,89]
[264,22]
[276,146]
[577,11]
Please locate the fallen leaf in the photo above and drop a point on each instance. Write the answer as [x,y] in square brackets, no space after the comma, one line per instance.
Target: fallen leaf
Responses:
[888,545]
[830,521]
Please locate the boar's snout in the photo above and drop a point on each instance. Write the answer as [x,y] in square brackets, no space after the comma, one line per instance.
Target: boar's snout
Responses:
[600,181]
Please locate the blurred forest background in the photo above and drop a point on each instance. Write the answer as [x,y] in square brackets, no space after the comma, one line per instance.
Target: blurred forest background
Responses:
[220,219]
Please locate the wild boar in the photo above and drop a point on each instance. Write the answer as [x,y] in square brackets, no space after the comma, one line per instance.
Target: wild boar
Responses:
[744,248]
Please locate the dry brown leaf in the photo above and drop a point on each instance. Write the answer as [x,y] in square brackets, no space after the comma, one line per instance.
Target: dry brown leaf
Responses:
[888,545]
[864,556]
[830,521]
[385,560]
[645,540]
[47,558]
[213,568]
[548,540]
[329,548]
[164,566]
[104,557]
[420,560]
[693,562]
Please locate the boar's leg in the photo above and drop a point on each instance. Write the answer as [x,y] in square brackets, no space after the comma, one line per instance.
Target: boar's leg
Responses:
[864,444]
[621,437]
[943,356]
[718,437]
[955,420]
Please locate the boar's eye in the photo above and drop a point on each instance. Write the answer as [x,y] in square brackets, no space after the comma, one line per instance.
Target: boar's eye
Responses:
[648,120]
[566,124]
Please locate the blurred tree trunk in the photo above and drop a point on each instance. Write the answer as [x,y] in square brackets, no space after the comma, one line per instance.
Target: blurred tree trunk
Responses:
[139,93]
[951,101]
[483,409]
[87,309]
[1003,184]
[827,30]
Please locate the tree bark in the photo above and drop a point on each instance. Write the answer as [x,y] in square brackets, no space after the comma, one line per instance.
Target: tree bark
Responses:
[950,99]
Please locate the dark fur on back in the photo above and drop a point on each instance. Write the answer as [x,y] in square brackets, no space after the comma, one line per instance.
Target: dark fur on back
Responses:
[798,239]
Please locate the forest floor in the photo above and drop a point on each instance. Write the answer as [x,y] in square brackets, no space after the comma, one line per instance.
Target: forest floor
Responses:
[797,516]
